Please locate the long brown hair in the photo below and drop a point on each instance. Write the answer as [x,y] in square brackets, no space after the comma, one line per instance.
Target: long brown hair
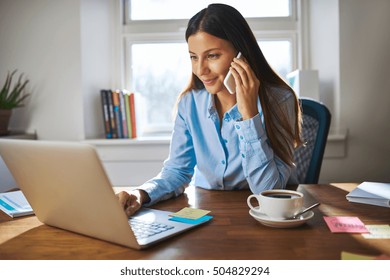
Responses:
[227,23]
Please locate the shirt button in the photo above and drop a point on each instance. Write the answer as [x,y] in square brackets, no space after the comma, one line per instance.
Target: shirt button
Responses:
[243,156]
[227,118]
[241,137]
[223,162]
[237,126]
[225,140]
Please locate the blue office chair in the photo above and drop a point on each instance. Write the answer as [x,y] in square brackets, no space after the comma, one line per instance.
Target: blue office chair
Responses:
[315,128]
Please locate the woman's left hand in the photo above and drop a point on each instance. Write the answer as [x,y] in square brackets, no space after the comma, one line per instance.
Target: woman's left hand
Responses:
[247,88]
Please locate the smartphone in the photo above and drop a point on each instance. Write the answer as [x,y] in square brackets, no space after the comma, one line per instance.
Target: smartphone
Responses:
[229,80]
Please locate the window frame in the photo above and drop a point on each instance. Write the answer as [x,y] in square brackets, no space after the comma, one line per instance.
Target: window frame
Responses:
[172,31]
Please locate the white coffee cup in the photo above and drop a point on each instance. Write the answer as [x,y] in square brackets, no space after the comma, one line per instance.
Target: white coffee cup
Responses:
[277,204]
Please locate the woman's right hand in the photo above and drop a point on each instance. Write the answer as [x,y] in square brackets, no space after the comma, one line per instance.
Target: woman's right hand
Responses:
[132,201]
[247,86]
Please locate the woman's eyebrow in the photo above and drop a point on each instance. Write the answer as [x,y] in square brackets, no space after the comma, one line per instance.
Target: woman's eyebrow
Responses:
[206,51]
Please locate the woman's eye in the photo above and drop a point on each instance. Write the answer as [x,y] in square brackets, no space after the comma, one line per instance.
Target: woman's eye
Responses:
[193,57]
[213,56]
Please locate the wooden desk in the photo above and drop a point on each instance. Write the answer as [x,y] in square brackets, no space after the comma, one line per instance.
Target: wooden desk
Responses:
[232,234]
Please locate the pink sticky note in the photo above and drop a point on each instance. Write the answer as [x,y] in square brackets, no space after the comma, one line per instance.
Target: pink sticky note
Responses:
[345,224]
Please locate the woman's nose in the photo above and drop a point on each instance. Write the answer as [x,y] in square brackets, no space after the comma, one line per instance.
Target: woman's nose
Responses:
[202,67]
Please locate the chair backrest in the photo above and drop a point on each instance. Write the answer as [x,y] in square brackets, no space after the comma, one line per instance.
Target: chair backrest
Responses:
[315,128]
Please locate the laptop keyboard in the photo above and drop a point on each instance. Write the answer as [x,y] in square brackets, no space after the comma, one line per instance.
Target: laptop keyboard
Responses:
[144,229]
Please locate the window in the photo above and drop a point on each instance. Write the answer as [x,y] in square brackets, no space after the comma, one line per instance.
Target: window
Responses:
[163,9]
[157,65]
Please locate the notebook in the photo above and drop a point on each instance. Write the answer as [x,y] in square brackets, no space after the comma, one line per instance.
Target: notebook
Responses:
[67,187]
[373,193]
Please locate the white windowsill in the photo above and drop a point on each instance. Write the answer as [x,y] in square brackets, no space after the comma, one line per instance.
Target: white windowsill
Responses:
[133,161]
[136,141]
[336,146]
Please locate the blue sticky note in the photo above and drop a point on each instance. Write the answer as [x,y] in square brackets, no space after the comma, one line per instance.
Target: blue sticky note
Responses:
[191,221]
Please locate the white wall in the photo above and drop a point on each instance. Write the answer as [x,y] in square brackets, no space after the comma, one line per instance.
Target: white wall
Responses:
[353,57]
[325,53]
[98,59]
[365,95]
[66,50]
[42,39]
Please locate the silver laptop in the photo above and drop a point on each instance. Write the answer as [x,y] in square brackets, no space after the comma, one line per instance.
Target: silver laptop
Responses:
[67,187]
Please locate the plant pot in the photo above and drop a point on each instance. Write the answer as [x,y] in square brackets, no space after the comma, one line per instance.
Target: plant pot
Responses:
[5,116]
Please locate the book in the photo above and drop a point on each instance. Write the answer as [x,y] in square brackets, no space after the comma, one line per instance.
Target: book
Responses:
[15,204]
[114,131]
[106,114]
[122,111]
[372,193]
[128,117]
[117,113]
[132,115]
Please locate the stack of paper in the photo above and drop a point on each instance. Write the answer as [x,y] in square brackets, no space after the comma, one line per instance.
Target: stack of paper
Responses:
[371,193]
[15,204]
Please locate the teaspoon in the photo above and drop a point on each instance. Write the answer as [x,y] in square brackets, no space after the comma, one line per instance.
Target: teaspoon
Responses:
[305,210]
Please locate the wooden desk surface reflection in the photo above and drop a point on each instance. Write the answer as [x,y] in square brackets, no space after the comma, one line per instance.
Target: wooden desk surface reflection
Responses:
[232,234]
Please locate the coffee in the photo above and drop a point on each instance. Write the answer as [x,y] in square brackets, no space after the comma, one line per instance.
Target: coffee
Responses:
[277,204]
[286,196]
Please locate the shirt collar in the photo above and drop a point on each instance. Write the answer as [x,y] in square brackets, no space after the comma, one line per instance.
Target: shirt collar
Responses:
[212,110]
[213,114]
[233,112]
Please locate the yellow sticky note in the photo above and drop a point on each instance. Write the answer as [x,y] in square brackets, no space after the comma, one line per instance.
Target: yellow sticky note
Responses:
[191,213]
[353,256]
[377,232]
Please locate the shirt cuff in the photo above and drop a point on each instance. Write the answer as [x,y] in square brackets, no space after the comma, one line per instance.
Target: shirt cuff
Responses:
[250,130]
[151,190]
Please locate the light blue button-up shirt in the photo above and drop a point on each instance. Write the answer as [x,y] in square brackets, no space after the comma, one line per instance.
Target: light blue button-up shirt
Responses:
[231,155]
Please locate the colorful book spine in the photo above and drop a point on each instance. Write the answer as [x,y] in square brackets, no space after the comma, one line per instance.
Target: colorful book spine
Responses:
[122,111]
[106,115]
[114,131]
[133,115]
[128,116]
[119,115]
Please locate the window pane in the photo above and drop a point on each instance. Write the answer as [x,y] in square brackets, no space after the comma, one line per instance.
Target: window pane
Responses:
[159,74]
[278,55]
[179,9]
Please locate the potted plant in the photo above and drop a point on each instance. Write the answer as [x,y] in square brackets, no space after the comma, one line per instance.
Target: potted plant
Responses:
[11,96]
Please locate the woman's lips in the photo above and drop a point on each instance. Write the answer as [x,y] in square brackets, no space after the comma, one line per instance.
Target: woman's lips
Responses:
[208,82]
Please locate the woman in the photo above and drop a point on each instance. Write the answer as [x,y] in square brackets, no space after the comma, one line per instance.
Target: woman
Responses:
[226,141]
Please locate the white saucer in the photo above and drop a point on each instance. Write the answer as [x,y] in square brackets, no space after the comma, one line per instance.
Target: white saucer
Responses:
[276,223]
